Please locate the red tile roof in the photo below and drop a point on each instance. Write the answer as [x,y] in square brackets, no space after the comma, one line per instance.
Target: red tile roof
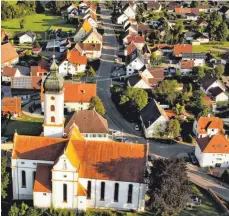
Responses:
[182,48]
[77,92]
[74,57]
[187,64]
[12,105]
[88,47]
[136,39]
[205,123]
[8,53]
[130,48]
[42,67]
[9,71]
[43,178]
[215,144]
[187,10]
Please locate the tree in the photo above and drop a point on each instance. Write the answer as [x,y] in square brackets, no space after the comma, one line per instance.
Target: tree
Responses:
[36,44]
[4,177]
[218,71]
[97,104]
[223,32]
[137,95]
[173,128]
[168,186]
[91,72]
[179,109]
[199,71]
[22,23]
[155,59]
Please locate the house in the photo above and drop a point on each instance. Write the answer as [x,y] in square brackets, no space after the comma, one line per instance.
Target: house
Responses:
[214,88]
[91,51]
[224,10]
[138,29]
[207,126]
[73,63]
[93,37]
[77,96]
[146,78]
[121,18]
[189,36]
[129,10]
[67,171]
[212,150]
[40,70]
[154,5]
[134,62]
[185,11]
[186,66]
[198,58]
[91,125]
[9,55]
[55,46]
[11,105]
[203,39]
[192,16]
[172,6]
[82,31]
[4,36]
[139,41]
[8,73]
[202,23]
[153,117]
[132,47]
[26,82]
[179,49]
[27,37]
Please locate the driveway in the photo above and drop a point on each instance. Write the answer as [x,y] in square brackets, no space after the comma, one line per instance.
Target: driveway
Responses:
[115,119]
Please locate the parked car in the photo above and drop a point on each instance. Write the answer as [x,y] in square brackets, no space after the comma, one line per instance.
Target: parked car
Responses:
[136,127]
[193,159]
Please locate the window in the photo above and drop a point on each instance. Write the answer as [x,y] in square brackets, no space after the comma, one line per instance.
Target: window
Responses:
[52,98]
[44,194]
[52,119]
[23,179]
[130,193]
[102,192]
[64,192]
[34,176]
[64,165]
[52,108]
[116,192]
[89,190]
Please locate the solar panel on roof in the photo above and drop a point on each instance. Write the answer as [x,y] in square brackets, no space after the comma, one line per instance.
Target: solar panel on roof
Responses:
[23,83]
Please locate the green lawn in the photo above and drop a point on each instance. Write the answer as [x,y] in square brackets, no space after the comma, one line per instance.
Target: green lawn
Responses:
[208,206]
[214,48]
[38,23]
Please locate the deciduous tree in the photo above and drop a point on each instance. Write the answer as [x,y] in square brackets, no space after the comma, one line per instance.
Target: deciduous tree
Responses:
[173,128]
[4,177]
[97,104]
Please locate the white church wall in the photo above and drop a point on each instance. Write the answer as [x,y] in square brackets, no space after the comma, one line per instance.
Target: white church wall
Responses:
[53,131]
[42,199]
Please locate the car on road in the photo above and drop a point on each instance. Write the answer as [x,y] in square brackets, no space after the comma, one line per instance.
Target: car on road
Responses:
[136,127]
[193,159]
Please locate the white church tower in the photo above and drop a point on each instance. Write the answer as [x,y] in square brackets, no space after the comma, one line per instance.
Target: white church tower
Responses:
[53,103]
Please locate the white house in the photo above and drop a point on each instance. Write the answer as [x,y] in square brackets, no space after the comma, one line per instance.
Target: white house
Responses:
[77,96]
[192,16]
[67,171]
[90,50]
[212,151]
[121,18]
[73,63]
[91,125]
[129,10]
[27,37]
[198,58]
[207,126]
[153,118]
[186,66]
[134,62]
[8,73]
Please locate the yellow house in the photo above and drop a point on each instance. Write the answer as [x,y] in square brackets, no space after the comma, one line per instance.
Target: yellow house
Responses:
[93,37]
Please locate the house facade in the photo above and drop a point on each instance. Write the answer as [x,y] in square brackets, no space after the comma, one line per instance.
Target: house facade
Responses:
[27,37]
[9,55]
[8,73]
[134,62]
[91,51]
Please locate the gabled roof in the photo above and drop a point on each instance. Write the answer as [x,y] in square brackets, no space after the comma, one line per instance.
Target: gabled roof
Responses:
[88,121]
[134,55]
[134,79]
[88,47]
[94,32]
[190,55]
[182,48]
[151,112]
[26,82]
[223,9]
[8,53]
[130,48]
[136,39]
[11,104]
[81,191]
[205,123]
[42,67]
[86,26]
[29,33]
[207,81]
[74,57]
[77,92]
[43,178]
[187,10]
[215,144]
[141,27]
[9,71]
[215,91]
[153,5]
[187,64]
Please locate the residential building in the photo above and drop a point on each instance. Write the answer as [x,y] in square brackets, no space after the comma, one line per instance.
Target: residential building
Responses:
[9,55]
[129,10]
[198,58]
[185,11]
[26,82]
[41,69]
[121,18]
[153,119]
[138,29]
[224,10]
[4,36]
[90,124]
[67,171]
[82,31]
[134,62]
[27,37]
[77,96]
[139,41]
[186,66]
[212,151]
[207,126]
[8,73]
[73,63]
[192,16]
[154,5]
[189,36]
[91,51]
[179,49]
[11,105]
[93,37]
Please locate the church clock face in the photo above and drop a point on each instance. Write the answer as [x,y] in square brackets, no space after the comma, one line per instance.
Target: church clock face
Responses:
[52,98]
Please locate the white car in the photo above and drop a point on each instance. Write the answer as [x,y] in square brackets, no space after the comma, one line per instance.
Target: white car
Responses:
[136,127]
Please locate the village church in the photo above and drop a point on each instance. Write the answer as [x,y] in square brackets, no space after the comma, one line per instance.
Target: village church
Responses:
[66,171]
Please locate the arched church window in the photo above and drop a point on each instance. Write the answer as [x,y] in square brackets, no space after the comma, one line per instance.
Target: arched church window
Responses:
[116,190]
[89,190]
[23,179]
[130,193]
[52,108]
[65,192]
[102,192]
[53,119]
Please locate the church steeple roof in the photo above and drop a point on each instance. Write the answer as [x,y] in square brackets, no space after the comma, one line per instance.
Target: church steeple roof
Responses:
[53,83]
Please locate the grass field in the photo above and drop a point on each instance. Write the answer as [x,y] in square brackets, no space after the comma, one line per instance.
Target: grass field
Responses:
[214,48]
[38,23]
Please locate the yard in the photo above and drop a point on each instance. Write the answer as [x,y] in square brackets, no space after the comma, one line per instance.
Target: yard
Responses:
[38,23]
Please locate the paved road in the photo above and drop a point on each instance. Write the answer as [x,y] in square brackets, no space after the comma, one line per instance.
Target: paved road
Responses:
[115,119]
